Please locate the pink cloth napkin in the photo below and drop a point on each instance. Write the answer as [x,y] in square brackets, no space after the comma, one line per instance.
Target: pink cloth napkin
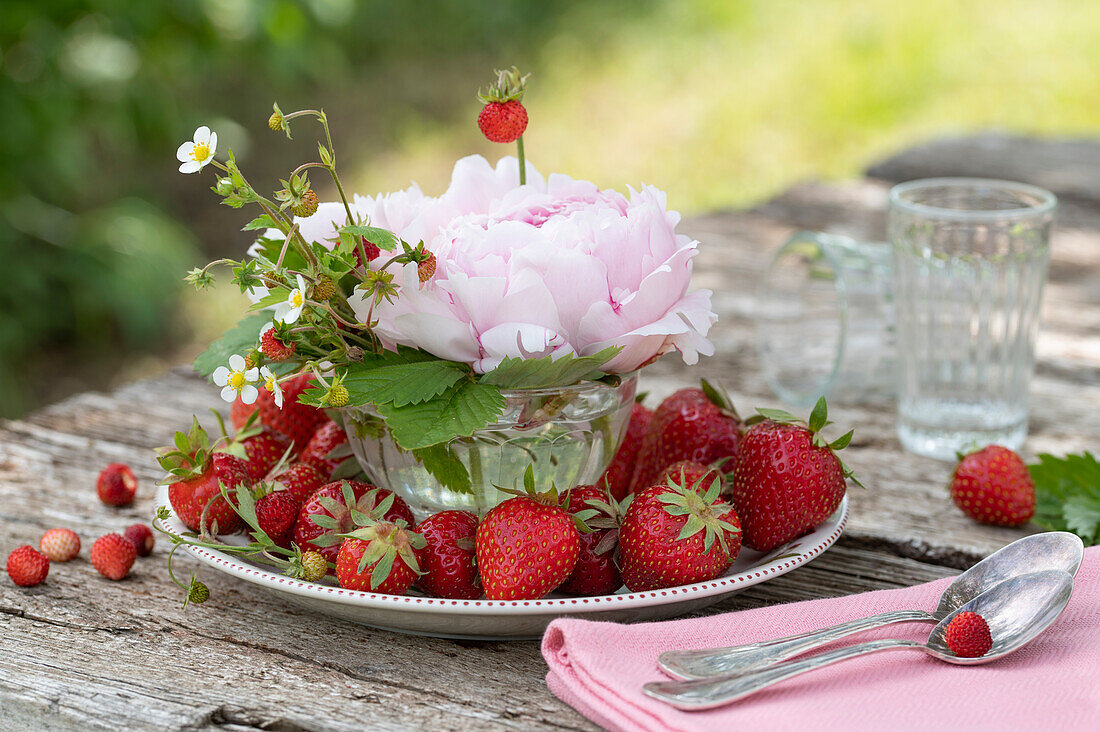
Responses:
[1051,684]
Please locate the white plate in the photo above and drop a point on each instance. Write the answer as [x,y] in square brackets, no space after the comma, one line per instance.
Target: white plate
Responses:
[518,619]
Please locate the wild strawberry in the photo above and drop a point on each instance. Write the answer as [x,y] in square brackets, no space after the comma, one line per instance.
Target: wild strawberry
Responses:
[786,478]
[691,424]
[526,546]
[595,572]
[301,481]
[274,347]
[60,545]
[116,485]
[27,567]
[306,205]
[337,396]
[673,536]
[379,558]
[372,251]
[689,473]
[447,559]
[426,269]
[112,556]
[325,514]
[195,473]
[294,421]
[141,536]
[263,452]
[993,486]
[314,566]
[618,473]
[967,635]
[323,289]
[503,121]
[276,513]
[327,438]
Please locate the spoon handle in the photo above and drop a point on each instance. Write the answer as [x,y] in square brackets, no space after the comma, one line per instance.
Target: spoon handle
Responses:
[714,692]
[739,659]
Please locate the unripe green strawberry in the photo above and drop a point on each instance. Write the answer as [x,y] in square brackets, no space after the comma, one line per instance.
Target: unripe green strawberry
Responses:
[323,289]
[306,206]
[338,395]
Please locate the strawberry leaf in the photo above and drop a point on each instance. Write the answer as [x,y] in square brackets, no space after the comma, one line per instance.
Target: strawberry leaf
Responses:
[458,412]
[442,464]
[402,378]
[1067,492]
[548,372]
[237,339]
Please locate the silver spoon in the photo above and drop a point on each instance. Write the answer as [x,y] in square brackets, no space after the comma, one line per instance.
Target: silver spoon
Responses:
[1017,610]
[1050,550]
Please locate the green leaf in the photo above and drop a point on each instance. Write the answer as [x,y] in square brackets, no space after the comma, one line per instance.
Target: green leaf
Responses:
[548,372]
[382,238]
[401,380]
[1067,494]
[260,222]
[458,412]
[237,339]
[818,416]
[442,464]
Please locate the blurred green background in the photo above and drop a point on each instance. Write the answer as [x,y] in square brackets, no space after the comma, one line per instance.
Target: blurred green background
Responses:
[719,103]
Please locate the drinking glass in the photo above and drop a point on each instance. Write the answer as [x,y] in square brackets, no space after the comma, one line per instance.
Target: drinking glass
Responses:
[825,323]
[970,260]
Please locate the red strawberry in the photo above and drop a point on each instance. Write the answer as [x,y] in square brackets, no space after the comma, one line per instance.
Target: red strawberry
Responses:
[993,486]
[274,347]
[195,472]
[447,559]
[502,121]
[675,536]
[116,485]
[264,452]
[330,500]
[691,424]
[595,572]
[239,412]
[691,474]
[372,250]
[618,473]
[380,557]
[141,536]
[276,513]
[526,546]
[425,270]
[294,421]
[327,438]
[27,567]
[967,635]
[786,478]
[112,556]
[301,481]
[60,545]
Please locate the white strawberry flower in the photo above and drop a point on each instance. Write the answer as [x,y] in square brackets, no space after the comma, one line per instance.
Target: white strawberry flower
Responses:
[271,383]
[289,311]
[237,380]
[197,154]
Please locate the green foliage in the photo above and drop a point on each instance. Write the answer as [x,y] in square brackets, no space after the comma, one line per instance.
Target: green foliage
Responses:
[1067,495]
[237,339]
[465,407]
[403,378]
[443,465]
[547,372]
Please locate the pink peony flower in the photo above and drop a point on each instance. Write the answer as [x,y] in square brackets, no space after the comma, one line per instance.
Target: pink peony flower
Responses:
[553,267]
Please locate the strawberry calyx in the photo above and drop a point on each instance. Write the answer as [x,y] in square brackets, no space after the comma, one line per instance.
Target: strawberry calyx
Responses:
[703,512]
[819,420]
[720,398]
[386,541]
[190,453]
[509,86]
[550,497]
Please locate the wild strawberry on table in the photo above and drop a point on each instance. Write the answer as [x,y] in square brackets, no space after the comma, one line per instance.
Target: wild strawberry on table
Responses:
[327,438]
[380,557]
[60,545]
[112,556]
[116,485]
[595,572]
[141,536]
[301,481]
[619,472]
[295,421]
[526,546]
[196,471]
[325,515]
[690,473]
[447,559]
[691,424]
[27,567]
[786,478]
[673,535]
[967,635]
[993,486]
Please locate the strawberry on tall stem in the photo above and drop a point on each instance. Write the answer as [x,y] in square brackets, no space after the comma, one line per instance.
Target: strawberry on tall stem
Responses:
[504,118]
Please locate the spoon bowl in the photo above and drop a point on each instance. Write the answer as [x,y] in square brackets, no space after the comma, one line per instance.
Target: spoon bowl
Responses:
[1016,610]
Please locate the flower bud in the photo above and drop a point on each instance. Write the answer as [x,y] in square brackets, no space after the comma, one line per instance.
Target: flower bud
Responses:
[223,187]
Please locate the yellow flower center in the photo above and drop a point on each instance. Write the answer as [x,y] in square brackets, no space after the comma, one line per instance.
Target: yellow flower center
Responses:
[200,152]
[270,384]
[237,380]
[296,298]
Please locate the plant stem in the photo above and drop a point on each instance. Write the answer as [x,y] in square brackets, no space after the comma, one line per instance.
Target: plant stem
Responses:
[522,164]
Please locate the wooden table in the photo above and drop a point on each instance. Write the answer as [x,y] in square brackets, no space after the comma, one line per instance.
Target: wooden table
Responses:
[79,652]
